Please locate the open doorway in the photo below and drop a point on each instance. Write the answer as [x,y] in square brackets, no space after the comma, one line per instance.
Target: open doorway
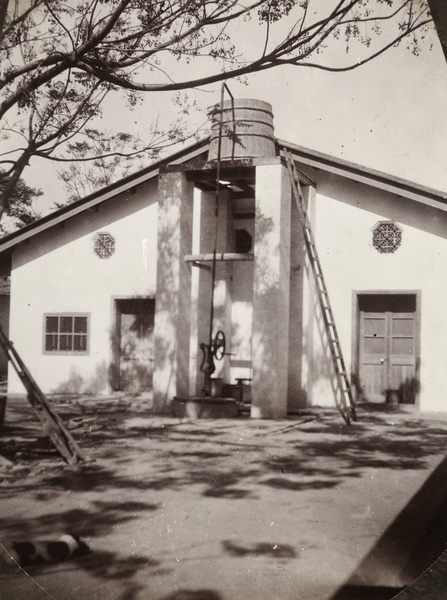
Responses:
[134,344]
[386,346]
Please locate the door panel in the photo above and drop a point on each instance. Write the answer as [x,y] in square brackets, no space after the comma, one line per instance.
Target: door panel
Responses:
[373,349]
[402,333]
[373,381]
[135,344]
[387,350]
[400,376]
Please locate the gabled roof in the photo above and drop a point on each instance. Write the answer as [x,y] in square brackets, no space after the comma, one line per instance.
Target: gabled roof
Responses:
[318,160]
[127,183]
[356,172]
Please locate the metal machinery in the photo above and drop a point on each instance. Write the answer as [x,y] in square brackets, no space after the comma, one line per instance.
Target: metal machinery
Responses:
[227,132]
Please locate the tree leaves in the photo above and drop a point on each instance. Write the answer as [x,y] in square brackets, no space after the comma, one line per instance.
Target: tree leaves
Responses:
[60,60]
[274,10]
[20,207]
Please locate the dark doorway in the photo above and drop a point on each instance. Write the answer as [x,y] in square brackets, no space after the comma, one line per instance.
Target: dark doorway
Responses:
[134,344]
[387,344]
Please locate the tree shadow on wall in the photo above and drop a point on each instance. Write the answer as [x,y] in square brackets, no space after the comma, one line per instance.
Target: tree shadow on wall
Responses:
[173,315]
[132,344]
[323,364]
[78,383]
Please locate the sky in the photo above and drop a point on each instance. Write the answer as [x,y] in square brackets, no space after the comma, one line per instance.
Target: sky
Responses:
[389,115]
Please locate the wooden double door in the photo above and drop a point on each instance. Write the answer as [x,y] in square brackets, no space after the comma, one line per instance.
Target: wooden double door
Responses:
[388,342]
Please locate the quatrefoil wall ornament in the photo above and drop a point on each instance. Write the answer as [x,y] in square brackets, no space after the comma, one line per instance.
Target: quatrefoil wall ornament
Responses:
[104,245]
[387,237]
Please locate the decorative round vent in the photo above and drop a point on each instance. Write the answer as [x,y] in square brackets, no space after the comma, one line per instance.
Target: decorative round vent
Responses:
[387,237]
[104,245]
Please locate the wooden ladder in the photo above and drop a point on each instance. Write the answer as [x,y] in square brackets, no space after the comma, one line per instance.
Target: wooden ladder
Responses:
[343,393]
[53,425]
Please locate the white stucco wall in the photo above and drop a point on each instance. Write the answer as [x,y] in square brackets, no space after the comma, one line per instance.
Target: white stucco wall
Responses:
[346,212]
[58,272]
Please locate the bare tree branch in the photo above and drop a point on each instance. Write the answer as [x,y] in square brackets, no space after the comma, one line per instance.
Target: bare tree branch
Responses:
[60,60]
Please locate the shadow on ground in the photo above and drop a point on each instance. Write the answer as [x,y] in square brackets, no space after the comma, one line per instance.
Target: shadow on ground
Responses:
[193,595]
[108,566]
[415,539]
[227,460]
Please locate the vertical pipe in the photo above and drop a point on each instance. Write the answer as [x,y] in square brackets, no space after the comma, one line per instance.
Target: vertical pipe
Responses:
[216,224]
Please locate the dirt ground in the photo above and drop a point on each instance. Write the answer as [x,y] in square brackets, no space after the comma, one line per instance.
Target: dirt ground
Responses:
[305,508]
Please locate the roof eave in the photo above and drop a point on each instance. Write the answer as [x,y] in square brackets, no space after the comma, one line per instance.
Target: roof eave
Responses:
[361,174]
[312,158]
[67,212]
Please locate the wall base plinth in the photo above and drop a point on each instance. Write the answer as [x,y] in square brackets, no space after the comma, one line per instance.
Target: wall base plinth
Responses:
[204,407]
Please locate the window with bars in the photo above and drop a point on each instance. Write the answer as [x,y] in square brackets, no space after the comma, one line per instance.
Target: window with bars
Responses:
[66,333]
[104,245]
[387,237]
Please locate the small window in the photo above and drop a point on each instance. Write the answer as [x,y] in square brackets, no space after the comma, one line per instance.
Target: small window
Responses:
[243,241]
[387,237]
[104,245]
[66,334]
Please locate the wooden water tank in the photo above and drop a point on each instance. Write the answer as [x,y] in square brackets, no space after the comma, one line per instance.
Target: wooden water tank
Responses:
[247,131]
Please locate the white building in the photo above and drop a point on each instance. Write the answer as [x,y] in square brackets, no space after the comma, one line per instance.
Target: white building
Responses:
[103,300]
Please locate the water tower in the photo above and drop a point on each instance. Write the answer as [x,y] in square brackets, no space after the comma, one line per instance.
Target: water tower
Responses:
[225,279]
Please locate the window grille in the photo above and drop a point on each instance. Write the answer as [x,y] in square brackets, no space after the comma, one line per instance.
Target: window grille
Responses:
[387,237]
[66,334]
[104,245]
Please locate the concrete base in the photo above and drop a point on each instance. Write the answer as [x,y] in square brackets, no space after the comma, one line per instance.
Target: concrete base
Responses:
[204,407]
